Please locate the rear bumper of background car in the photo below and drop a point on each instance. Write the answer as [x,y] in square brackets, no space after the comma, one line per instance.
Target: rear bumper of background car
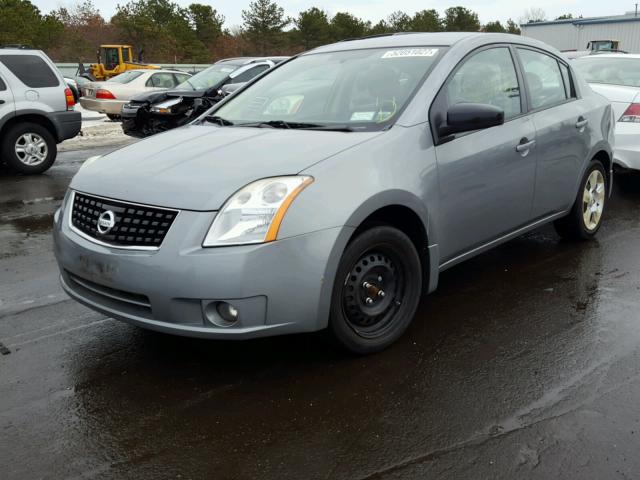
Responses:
[110,107]
[627,145]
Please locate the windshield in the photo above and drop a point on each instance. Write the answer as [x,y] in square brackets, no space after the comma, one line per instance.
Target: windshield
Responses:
[614,71]
[208,78]
[126,77]
[361,89]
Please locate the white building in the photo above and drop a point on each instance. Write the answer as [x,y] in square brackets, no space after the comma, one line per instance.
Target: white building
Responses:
[576,33]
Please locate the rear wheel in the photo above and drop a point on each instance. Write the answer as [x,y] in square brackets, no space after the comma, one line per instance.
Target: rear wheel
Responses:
[585,218]
[29,148]
[376,291]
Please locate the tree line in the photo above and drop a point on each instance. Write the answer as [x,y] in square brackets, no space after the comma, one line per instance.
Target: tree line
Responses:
[167,32]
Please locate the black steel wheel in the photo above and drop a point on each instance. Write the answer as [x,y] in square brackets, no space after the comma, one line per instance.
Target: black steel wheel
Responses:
[377,290]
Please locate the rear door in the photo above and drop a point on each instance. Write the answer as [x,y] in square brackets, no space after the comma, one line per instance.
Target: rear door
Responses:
[7,106]
[563,133]
[487,176]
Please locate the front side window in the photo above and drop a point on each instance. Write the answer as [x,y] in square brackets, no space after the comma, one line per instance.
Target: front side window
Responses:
[208,78]
[31,70]
[488,77]
[111,58]
[546,86]
[161,80]
[361,89]
[249,74]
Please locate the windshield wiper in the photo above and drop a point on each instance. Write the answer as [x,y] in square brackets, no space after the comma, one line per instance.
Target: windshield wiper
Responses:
[296,125]
[223,122]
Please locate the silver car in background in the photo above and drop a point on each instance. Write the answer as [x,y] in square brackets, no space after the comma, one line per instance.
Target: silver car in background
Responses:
[108,97]
[616,77]
[334,190]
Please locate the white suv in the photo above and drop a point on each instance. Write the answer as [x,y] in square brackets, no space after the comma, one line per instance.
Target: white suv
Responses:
[36,110]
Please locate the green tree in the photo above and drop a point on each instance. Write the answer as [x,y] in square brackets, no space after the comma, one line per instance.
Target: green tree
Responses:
[162,29]
[512,27]
[344,25]
[566,16]
[461,19]
[399,22]
[313,28]
[379,28]
[205,21]
[21,22]
[495,27]
[426,21]
[263,25]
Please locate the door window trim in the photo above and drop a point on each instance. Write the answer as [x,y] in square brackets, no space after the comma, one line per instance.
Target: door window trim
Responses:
[558,62]
[3,85]
[438,99]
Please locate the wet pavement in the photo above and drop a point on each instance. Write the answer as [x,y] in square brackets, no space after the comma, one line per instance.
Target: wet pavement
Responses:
[524,364]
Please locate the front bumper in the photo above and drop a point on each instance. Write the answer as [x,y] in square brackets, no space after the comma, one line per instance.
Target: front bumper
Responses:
[110,107]
[280,287]
[627,145]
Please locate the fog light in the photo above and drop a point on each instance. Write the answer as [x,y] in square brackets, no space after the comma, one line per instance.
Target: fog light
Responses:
[227,312]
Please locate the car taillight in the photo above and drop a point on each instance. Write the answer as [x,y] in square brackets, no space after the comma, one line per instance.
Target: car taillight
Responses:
[631,114]
[68,94]
[105,94]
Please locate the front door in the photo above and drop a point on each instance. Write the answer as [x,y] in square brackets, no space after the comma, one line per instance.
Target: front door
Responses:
[486,177]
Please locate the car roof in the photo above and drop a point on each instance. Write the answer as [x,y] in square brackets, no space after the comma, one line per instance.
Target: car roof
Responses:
[247,60]
[441,39]
[613,55]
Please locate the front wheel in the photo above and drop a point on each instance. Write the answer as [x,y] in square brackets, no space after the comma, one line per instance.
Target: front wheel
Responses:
[585,218]
[376,291]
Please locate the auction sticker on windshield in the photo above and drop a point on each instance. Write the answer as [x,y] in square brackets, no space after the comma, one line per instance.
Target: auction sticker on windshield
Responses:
[410,52]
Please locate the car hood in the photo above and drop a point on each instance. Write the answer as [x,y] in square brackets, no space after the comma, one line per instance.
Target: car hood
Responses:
[198,167]
[160,95]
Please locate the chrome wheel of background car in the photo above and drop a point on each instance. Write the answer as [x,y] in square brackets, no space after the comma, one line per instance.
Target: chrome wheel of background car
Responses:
[372,293]
[31,149]
[593,199]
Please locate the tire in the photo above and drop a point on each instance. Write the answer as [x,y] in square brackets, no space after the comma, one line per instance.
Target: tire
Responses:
[380,259]
[28,148]
[113,118]
[581,224]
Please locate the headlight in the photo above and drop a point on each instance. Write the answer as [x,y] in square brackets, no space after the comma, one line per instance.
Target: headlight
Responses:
[165,107]
[254,213]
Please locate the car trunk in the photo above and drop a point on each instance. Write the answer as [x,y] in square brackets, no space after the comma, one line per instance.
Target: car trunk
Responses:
[619,96]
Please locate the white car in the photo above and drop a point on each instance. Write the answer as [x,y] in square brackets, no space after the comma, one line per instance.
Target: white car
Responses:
[617,77]
[108,97]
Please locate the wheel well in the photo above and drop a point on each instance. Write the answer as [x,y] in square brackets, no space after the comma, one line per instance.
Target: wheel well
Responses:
[31,118]
[407,221]
[606,161]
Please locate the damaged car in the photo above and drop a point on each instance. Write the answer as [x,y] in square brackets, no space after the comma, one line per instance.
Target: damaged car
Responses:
[154,112]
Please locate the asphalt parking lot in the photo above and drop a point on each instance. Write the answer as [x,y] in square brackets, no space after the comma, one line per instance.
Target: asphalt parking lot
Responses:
[524,364]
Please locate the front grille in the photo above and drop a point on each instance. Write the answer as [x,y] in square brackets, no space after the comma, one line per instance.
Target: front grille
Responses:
[134,226]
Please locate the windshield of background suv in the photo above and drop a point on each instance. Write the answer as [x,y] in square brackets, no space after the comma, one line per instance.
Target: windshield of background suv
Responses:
[360,89]
[208,78]
[614,71]
[126,77]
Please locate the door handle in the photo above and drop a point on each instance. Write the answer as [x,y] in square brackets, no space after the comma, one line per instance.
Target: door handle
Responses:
[581,123]
[524,146]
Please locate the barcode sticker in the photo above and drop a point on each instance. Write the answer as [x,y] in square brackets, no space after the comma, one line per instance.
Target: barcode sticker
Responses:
[410,52]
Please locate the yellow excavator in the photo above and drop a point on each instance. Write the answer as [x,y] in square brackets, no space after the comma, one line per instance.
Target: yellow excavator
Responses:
[117,59]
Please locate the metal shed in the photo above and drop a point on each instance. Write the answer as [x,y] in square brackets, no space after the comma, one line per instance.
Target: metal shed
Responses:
[576,33]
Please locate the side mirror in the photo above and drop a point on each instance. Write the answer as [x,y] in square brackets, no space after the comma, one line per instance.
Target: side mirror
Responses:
[466,117]
[229,88]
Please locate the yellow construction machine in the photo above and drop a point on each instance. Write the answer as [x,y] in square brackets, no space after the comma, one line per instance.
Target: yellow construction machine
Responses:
[112,61]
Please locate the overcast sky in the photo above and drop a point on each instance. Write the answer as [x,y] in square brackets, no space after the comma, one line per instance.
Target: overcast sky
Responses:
[374,10]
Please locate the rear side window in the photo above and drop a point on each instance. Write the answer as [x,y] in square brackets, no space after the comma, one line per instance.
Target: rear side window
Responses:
[568,83]
[31,70]
[546,85]
[161,80]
